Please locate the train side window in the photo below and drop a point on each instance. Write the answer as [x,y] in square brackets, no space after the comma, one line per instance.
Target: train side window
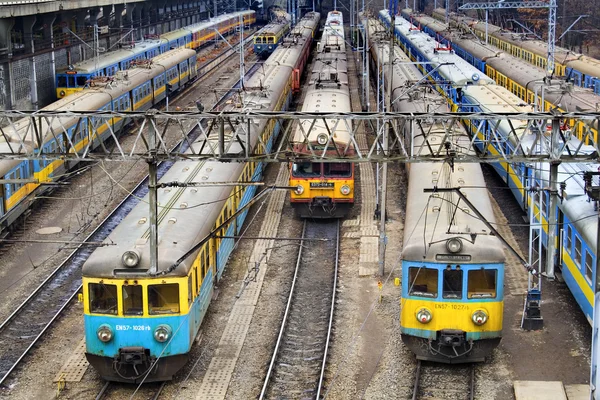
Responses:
[577,250]
[306,169]
[190,290]
[568,240]
[482,284]
[453,283]
[423,282]
[342,170]
[103,298]
[163,299]
[588,266]
[132,300]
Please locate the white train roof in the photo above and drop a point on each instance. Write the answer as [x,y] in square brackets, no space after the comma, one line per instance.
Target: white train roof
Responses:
[457,70]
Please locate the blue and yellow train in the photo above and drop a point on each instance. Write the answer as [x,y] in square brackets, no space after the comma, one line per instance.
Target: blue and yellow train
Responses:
[452,265]
[137,89]
[583,70]
[75,77]
[576,228]
[271,35]
[141,321]
[527,81]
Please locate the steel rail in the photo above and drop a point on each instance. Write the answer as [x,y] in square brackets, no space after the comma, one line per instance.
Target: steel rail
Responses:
[337,258]
[285,316]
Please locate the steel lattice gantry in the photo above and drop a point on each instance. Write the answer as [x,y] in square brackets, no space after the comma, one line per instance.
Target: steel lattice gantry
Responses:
[532,137]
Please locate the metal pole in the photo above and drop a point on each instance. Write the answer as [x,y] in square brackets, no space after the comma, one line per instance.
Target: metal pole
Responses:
[552,217]
[153,197]
[486,26]
[388,109]
[242,67]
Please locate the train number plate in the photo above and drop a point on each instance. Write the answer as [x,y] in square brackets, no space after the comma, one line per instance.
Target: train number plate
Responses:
[321,185]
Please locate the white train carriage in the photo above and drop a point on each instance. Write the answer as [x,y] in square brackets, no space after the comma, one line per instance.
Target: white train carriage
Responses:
[452,297]
[167,306]
[325,190]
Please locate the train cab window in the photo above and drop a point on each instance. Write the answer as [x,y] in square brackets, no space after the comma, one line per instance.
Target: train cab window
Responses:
[482,284]
[306,169]
[453,283]
[341,170]
[132,300]
[271,39]
[577,250]
[61,81]
[163,299]
[588,266]
[423,282]
[103,298]
[81,80]
[71,81]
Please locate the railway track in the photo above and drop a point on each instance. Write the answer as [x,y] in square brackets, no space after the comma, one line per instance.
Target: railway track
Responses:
[151,391]
[300,355]
[33,317]
[443,381]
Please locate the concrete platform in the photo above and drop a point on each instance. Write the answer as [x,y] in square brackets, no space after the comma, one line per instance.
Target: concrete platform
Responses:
[549,390]
[577,392]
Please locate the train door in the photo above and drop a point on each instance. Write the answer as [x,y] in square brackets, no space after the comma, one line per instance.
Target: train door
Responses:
[560,219]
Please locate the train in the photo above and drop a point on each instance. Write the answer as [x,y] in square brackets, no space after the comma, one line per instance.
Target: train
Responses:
[582,70]
[141,321]
[452,264]
[325,189]
[135,89]
[271,35]
[576,229]
[529,82]
[75,77]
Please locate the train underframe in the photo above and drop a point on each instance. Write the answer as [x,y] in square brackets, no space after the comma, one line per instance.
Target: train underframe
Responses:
[322,207]
[133,363]
[451,347]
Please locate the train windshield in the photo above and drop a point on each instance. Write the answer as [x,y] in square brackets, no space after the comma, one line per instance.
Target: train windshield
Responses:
[306,169]
[452,283]
[61,81]
[163,299]
[482,283]
[132,300]
[423,282]
[337,170]
[103,298]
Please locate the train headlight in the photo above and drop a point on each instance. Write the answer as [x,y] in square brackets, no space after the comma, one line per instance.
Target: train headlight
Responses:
[423,315]
[299,190]
[104,333]
[62,93]
[162,333]
[345,190]
[322,139]
[131,258]
[479,317]
[454,245]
